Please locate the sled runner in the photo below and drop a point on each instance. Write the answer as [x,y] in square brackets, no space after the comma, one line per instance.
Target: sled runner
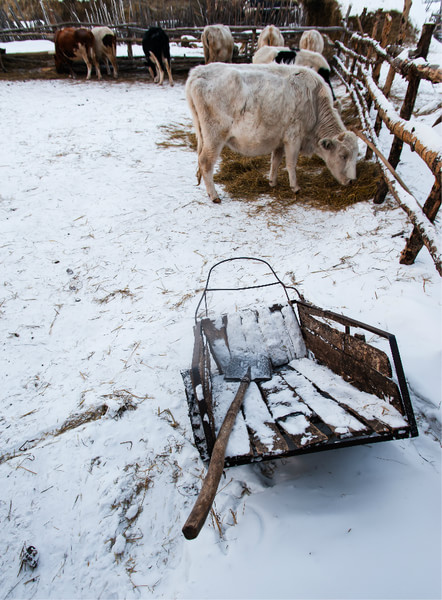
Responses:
[327,386]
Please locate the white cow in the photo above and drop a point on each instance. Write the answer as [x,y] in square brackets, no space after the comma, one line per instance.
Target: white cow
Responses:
[217,44]
[270,36]
[312,40]
[105,46]
[289,56]
[263,109]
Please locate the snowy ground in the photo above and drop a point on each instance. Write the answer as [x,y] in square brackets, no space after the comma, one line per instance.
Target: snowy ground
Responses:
[105,245]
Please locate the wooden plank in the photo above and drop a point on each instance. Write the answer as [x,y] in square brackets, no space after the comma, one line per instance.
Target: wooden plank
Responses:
[338,419]
[358,349]
[293,330]
[278,344]
[223,393]
[255,341]
[265,435]
[201,382]
[301,431]
[361,376]
[291,413]
[281,400]
[216,335]
[378,414]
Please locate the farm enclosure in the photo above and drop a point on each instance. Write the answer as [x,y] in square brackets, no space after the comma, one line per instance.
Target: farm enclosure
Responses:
[105,245]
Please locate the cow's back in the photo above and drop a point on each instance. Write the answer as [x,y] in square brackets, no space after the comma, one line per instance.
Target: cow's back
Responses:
[218,43]
[253,105]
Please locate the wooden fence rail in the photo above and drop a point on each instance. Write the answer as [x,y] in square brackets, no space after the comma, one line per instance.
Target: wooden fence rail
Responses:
[363,58]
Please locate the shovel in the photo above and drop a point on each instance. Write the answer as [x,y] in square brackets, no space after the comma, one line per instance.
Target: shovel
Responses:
[244,369]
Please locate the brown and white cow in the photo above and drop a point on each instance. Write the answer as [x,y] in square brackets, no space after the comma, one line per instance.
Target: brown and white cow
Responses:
[312,40]
[74,45]
[217,43]
[270,36]
[105,46]
[263,109]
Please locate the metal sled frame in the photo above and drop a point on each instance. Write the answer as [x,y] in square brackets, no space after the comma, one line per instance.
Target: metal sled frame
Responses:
[345,354]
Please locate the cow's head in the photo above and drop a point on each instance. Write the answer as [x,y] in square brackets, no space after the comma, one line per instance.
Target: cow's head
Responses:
[340,154]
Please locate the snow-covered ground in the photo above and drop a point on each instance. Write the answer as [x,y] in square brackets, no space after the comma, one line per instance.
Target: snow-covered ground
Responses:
[105,244]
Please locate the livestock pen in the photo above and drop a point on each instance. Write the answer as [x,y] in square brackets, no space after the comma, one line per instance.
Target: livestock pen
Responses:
[357,59]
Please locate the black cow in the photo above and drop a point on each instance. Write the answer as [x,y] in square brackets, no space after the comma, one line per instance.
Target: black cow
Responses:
[157,51]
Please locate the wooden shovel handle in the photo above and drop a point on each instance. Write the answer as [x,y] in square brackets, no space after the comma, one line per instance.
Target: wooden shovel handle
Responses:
[202,506]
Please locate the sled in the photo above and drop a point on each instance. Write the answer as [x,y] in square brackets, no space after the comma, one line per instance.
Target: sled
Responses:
[328,388]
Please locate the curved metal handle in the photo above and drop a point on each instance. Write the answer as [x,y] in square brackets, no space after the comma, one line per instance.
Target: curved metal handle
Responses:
[251,287]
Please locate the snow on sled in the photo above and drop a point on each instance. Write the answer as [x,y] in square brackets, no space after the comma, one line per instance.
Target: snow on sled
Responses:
[328,387]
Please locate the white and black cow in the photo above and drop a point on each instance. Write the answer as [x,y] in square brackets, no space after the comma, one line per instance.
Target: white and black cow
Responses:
[106,48]
[270,36]
[217,43]
[294,56]
[263,109]
[312,40]
[157,50]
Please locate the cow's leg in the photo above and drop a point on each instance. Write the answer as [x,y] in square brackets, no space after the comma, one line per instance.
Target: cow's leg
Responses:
[207,158]
[275,161]
[83,54]
[96,65]
[107,64]
[160,73]
[291,159]
[169,71]
[113,60]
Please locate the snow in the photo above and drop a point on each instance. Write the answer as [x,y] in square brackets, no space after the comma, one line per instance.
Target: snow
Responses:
[106,242]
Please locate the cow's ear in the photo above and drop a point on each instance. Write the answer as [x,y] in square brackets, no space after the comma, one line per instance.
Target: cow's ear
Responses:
[327,143]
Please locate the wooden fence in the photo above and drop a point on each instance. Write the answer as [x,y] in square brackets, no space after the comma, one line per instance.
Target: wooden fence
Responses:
[358,63]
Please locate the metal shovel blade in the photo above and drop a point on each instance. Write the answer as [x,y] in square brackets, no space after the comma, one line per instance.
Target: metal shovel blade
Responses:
[260,367]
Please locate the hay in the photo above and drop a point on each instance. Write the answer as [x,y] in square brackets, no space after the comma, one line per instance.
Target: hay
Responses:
[246,179]
[178,137]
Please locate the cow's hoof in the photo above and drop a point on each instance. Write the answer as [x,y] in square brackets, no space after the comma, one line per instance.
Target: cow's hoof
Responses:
[216,200]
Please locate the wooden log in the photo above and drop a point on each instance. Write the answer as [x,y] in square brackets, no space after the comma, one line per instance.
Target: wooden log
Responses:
[391,71]
[415,241]
[407,109]
[402,66]
[377,68]
[199,513]
[401,128]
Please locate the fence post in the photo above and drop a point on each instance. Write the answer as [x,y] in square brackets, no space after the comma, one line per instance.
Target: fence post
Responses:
[415,242]
[377,68]
[407,108]
[389,81]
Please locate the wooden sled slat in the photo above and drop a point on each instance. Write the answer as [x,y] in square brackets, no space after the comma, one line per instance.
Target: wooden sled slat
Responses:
[360,350]
[265,435]
[223,393]
[378,414]
[301,431]
[362,376]
[340,421]
[217,337]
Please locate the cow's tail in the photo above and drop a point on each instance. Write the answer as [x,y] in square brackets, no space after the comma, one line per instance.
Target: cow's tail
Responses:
[197,125]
